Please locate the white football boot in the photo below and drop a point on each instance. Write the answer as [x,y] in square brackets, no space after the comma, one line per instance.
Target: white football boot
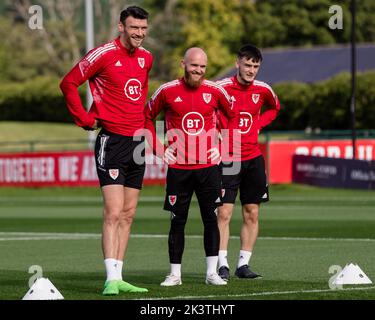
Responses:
[215,279]
[171,280]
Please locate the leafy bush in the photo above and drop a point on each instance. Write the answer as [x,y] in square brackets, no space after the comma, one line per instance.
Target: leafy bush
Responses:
[39,99]
[324,105]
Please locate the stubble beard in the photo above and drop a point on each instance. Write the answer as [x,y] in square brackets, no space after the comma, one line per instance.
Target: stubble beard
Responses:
[131,44]
[244,77]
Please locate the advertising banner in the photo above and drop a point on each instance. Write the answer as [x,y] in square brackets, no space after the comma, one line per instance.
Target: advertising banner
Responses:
[333,172]
[280,154]
[77,168]
[62,169]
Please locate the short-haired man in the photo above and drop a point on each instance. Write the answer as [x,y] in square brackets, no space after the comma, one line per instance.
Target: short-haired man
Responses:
[249,96]
[118,76]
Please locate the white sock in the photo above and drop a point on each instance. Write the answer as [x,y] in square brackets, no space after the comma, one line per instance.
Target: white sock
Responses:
[243,258]
[111,269]
[119,269]
[223,261]
[176,269]
[211,264]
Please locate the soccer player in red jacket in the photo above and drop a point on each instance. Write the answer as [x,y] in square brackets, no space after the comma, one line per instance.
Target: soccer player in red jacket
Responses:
[249,96]
[190,105]
[118,76]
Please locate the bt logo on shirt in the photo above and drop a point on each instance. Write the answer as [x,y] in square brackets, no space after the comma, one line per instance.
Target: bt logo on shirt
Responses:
[246,121]
[193,123]
[133,89]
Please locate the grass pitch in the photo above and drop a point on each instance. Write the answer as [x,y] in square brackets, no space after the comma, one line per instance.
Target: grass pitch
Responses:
[303,231]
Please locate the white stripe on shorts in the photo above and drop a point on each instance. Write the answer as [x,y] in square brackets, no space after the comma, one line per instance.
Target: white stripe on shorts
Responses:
[101,156]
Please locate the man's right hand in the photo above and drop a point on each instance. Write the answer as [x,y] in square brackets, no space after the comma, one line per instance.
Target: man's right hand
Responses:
[95,126]
[214,154]
[169,157]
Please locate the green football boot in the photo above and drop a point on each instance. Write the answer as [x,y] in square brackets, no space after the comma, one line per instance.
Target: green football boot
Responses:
[124,286]
[111,288]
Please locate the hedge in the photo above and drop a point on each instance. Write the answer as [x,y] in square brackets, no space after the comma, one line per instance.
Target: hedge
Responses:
[324,105]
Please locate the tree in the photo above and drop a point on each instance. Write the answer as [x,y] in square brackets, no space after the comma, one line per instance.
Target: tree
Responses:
[20,58]
[213,25]
[61,41]
[62,44]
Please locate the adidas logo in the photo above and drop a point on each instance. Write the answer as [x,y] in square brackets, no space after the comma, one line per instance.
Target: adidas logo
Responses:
[264,196]
[118,63]
[218,200]
[178,99]
[233,98]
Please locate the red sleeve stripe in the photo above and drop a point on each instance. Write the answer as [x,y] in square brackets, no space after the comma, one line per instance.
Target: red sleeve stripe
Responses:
[163,86]
[99,51]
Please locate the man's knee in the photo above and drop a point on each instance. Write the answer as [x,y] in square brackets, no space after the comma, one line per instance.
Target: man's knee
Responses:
[224,214]
[209,216]
[111,216]
[251,213]
[178,221]
[128,214]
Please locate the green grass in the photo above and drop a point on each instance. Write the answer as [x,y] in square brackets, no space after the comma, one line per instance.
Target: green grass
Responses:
[17,136]
[41,136]
[18,131]
[303,231]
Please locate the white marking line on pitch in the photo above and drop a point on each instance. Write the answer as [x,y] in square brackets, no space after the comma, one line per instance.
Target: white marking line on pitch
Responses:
[15,236]
[98,199]
[23,236]
[72,199]
[266,293]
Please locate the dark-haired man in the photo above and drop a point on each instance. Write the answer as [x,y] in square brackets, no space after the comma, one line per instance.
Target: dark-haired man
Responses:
[118,76]
[249,96]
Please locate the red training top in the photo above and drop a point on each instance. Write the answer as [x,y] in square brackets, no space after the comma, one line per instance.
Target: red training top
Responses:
[118,82]
[249,100]
[191,120]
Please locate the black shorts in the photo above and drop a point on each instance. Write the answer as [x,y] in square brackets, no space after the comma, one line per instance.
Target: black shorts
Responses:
[206,183]
[251,180]
[119,159]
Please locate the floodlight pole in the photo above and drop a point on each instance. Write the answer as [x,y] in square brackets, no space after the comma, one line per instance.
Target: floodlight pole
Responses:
[89,19]
[353,72]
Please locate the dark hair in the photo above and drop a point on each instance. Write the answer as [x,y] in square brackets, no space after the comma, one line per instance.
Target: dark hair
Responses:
[135,12]
[250,52]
